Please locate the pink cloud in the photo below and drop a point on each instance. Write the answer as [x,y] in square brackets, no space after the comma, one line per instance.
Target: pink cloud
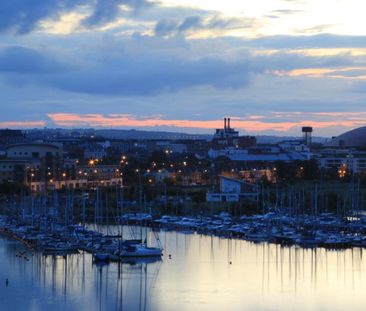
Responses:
[22,124]
[253,123]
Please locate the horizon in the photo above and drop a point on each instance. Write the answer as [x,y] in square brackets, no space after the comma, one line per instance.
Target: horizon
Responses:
[152,130]
[175,65]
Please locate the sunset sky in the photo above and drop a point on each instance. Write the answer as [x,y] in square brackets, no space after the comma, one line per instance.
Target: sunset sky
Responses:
[183,65]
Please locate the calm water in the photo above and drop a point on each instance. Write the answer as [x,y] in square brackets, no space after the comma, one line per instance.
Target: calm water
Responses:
[199,276]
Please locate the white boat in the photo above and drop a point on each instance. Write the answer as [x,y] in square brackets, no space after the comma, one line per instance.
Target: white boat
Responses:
[140,250]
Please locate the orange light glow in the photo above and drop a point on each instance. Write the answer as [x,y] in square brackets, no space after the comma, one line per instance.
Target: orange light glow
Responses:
[255,124]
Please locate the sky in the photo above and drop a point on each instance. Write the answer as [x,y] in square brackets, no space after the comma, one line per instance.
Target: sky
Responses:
[183,65]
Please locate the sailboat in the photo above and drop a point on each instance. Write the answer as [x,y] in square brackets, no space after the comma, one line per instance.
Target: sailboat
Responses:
[135,248]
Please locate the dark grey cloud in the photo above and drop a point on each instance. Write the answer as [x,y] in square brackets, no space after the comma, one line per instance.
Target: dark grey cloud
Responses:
[166,27]
[22,16]
[129,68]
[191,22]
[169,27]
[106,11]
[147,66]
[22,60]
[134,77]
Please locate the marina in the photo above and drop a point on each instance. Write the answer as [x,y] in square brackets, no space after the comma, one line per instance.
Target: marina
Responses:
[54,238]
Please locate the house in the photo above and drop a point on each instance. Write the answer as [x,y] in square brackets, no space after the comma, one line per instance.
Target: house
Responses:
[14,171]
[233,190]
[95,151]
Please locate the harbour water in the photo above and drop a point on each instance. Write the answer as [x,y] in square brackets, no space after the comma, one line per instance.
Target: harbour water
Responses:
[202,273]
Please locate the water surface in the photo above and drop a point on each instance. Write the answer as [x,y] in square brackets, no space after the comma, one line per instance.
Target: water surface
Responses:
[204,273]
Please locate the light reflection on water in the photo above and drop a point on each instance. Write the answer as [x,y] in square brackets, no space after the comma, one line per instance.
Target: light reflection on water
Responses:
[204,273]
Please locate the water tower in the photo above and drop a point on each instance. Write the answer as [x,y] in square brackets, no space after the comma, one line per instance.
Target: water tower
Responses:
[307,131]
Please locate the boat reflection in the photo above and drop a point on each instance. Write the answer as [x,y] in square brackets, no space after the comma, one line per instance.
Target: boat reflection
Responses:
[202,273]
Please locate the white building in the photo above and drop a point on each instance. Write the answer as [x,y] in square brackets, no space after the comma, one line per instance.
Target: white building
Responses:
[353,161]
[233,190]
[33,151]
[260,154]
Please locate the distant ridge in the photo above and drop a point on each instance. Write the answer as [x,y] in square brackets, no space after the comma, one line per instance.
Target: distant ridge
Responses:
[145,134]
[139,134]
[269,139]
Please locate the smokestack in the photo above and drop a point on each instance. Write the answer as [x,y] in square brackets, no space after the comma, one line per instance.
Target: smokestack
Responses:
[225,124]
[228,123]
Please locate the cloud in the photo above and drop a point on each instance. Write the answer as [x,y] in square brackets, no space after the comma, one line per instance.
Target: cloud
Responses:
[305,41]
[22,124]
[131,76]
[23,60]
[166,27]
[126,68]
[278,122]
[355,73]
[23,16]
[286,11]
[315,29]
[106,11]
[151,66]
[171,27]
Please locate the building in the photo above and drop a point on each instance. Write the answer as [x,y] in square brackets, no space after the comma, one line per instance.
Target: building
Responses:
[260,154]
[355,138]
[11,137]
[349,160]
[44,161]
[170,147]
[233,190]
[229,137]
[249,151]
[13,171]
[95,151]
[257,175]
[33,151]
[37,186]
[103,174]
